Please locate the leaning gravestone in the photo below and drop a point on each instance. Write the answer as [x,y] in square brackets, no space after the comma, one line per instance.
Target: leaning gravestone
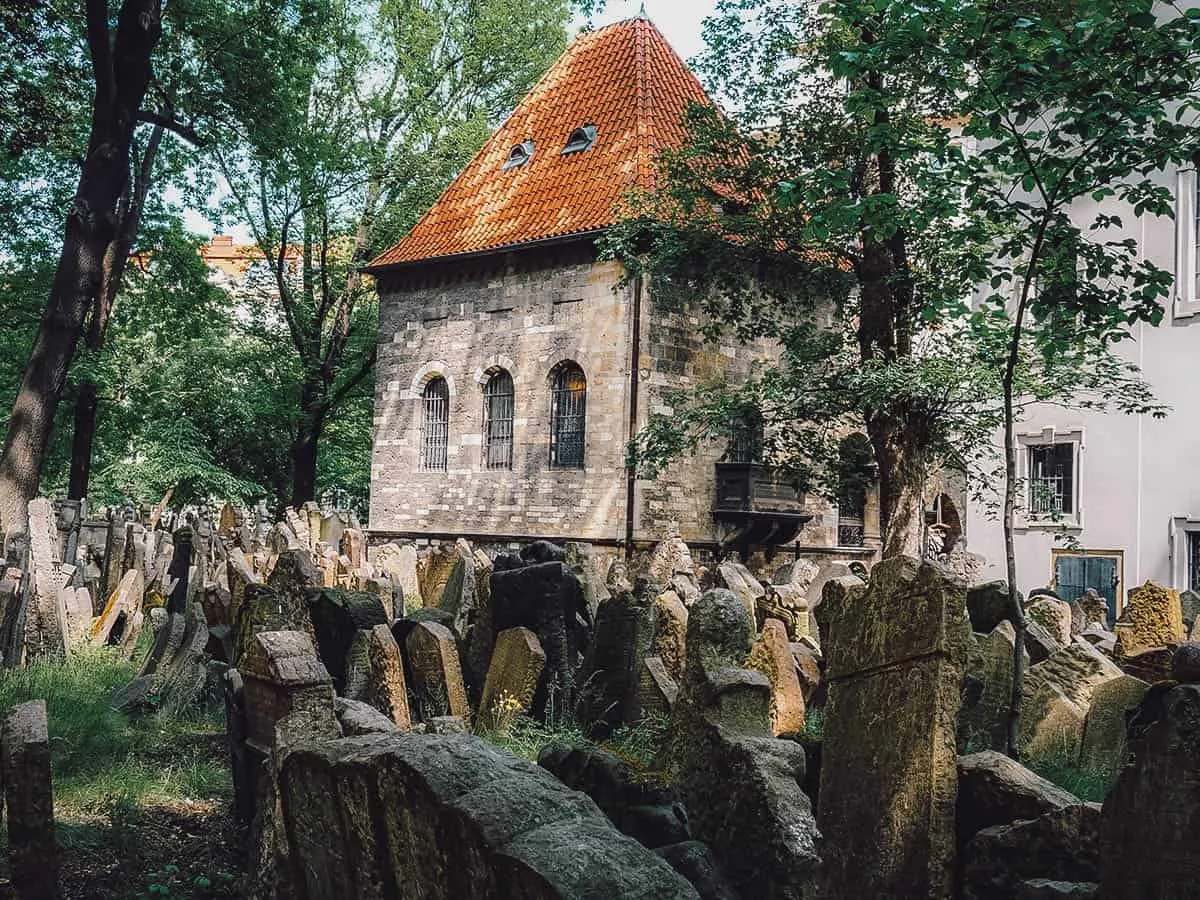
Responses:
[772,656]
[983,720]
[337,616]
[29,797]
[375,674]
[896,652]
[512,677]
[1103,746]
[437,673]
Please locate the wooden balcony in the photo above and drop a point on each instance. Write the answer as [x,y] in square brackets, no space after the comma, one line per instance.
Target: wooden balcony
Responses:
[763,506]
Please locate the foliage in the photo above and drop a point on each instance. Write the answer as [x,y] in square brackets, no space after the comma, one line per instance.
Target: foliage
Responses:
[98,755]
[879,162]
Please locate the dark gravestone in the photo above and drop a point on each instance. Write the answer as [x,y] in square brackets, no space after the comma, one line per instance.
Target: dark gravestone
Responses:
[1149,849]
[29,798]
[543,552]
[612,669]
[987,605]
[547,599]
[337,616]
[896,653]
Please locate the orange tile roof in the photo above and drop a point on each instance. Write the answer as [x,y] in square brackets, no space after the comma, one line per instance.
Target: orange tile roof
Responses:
[627,81]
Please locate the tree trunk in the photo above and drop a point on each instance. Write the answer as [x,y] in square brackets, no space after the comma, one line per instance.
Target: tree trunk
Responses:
[122,68]
[81,439]
[903,469]
[304,448]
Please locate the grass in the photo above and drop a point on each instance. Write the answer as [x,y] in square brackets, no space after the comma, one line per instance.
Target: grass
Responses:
[141,805]
[1085,784]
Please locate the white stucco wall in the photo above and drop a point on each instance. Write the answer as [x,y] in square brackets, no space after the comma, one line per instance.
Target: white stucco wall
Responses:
[1136,474]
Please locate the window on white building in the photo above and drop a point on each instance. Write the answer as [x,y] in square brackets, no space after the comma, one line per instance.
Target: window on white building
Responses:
[1193,560]
[1051,481]
[1187,247]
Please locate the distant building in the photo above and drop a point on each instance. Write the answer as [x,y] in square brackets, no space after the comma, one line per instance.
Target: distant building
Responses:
[1109,500]
[514,366]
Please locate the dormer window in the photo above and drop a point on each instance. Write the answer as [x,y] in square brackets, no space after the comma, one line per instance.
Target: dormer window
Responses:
[519,155]
[580,139]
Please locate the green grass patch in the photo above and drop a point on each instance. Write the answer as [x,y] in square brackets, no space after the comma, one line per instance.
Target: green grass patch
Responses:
[102,757]
[1087,785]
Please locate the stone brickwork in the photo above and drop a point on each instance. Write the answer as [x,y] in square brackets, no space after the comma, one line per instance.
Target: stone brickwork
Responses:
[526,313]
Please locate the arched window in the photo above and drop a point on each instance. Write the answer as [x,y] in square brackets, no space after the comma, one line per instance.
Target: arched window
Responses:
[498,421]
[568,417]
[435,424]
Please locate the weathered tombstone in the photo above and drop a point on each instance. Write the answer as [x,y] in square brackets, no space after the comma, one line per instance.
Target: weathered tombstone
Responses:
[375,674]
[45,625]
[121,621]
[670,633]
[772,656]
[353,544]
[1189,602]
[434,568]
[1053,615]
[741,786]
[12,617]
[114,553]
[671,557]
[1056,695]
[512,677]
[987,605]
[1153,617]
[896,652]
[76,603]
[293,576]
[983,718]
[1103,745]
[612,669]
[1149,849]
[282,675]
[29,798]
[657,690]
[399,562]
[437,673]
[337,616]
[742,582]
[227,522]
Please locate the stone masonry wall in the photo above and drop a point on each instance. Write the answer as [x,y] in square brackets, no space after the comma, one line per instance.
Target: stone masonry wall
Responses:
[525,313]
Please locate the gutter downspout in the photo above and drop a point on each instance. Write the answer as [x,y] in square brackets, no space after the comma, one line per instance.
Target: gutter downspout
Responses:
[634,378]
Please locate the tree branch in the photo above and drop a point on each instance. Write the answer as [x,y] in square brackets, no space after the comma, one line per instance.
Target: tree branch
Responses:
[171,124]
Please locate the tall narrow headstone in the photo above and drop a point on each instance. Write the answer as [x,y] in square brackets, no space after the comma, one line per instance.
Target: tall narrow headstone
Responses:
[896,651]
[375,674]
[772,656]
[512,677]
[29,801]
[437,673]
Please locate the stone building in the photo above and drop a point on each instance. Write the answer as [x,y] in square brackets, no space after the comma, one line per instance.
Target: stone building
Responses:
[514,364]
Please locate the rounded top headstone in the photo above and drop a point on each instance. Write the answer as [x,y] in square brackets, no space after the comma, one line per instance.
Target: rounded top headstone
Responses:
[1185,665]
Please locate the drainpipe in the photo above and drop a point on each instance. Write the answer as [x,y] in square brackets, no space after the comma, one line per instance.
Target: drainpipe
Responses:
[634,361]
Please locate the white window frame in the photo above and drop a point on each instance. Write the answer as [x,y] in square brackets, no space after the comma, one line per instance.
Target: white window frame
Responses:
[1072,520]
[1187,295]
[1179,530]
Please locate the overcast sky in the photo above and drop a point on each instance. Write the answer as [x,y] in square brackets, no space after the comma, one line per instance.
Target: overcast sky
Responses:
[679,20]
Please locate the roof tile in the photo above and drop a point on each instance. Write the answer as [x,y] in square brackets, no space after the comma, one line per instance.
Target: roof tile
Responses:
[627,81]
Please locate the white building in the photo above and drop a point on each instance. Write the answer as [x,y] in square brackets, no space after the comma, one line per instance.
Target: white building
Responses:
[1126,489]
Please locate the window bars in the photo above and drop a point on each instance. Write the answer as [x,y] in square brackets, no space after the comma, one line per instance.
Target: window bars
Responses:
[568,415]
[1052,481]
[435,425]
[498,402]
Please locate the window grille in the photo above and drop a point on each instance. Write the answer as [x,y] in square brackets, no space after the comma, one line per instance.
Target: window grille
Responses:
[435,425]
[1052,481]
[498,402]
[1193,542]
[568,417]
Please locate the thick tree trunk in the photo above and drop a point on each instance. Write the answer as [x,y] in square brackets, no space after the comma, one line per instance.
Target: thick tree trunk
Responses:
[122,68]
[81,439]
[305,446]
[903,469]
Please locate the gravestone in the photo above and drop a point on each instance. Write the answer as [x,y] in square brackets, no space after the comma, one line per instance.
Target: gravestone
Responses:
[337,616]
[671,557]
[612,668]
[670,633]
[1152,617]
[46,617]
[437,674]
[1149,849]
[772,656]
[982,721]
[657,690]
[282,675]
[1103,744]
[744,585]
[513,675]
[896,652]
[1056,696]
[121,620]
[435,566]
[1053,615]
[375,674]
[29,801]
[399,562]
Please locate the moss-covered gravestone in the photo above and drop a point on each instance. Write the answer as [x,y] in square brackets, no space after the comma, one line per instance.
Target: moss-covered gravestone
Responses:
[896,652]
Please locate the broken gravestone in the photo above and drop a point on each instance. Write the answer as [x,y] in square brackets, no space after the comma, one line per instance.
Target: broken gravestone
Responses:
[896,652]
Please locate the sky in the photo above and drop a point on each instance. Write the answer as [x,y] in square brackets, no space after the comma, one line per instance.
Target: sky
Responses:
[679,20]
